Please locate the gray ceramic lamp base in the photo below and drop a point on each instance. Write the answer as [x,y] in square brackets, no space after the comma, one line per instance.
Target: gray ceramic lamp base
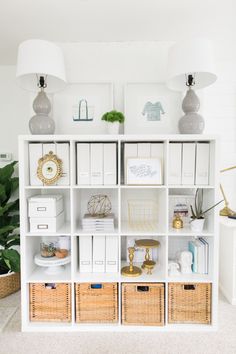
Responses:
[191,122]
[41,123]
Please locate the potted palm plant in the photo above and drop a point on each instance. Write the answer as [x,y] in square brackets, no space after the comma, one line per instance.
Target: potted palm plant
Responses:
[113,119]
[9,235]
[198,214]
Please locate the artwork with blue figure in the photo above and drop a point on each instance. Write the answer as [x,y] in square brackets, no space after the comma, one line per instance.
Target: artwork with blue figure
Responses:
[84,112]
[153,111]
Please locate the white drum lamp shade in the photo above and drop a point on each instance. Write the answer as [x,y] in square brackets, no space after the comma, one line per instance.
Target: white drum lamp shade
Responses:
[40,58]
[194,56]
[191,65]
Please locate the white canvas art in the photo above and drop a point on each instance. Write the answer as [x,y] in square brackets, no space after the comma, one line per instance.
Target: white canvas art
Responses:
[151,108]
[143,171]
[79,108]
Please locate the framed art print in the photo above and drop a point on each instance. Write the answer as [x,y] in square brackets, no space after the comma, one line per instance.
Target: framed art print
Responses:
[143,171]
[79,108]
[180,204]
[151,108]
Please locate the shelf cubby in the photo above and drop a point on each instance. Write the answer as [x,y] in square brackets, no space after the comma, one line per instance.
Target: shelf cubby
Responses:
[148,218]
[81,197]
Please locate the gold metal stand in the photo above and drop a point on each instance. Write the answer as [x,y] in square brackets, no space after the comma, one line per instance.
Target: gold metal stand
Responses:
[226,211]
[148,243]
[131,270]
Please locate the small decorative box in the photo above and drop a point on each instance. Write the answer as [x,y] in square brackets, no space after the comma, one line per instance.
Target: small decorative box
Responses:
[51,224]
[48,206]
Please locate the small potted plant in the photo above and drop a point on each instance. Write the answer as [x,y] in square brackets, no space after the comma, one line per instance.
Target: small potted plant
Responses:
[198,215]
[113,119]
[9,235]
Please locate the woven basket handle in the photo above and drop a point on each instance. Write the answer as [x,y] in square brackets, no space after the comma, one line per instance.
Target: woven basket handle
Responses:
[50,286]
[189,286]
[143,288]
[96,286]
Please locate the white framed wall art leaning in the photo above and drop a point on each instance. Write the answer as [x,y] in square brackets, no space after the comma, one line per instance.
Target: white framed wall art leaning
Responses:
[151,108]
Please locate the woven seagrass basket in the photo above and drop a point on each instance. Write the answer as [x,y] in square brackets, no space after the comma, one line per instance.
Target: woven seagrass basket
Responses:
[9,284]
[50,302]
[189,303]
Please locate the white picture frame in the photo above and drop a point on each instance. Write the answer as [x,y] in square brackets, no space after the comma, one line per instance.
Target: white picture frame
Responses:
[143,171]
[151,108]
[92,100]
[180,204]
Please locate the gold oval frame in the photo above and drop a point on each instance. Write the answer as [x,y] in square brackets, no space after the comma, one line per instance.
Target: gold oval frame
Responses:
[47,158]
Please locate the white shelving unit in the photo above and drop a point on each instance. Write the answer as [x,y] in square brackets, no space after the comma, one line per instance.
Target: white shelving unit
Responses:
[76,197]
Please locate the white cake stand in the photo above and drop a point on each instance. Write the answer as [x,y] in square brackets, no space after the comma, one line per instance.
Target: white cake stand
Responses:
[53,265]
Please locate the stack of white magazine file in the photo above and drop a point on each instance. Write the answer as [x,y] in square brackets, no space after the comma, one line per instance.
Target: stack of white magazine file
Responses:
[200,251]
[96,224]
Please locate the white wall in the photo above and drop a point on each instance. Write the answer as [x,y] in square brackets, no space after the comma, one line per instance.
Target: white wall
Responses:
[122,62]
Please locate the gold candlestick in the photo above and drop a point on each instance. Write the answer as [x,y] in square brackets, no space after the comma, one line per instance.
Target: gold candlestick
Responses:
[131,270]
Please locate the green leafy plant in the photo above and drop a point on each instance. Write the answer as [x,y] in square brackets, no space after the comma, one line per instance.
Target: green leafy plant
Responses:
[9,220]
[197,211]
[113,116]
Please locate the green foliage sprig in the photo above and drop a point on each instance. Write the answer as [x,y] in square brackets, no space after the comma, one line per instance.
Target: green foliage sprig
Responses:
[9,220]
[113,116]
[197,211]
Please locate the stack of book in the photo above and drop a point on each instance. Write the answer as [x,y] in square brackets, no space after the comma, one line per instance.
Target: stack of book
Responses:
[200,251]
[95,224]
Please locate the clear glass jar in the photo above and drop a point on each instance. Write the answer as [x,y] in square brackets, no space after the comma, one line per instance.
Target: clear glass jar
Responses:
[47,249]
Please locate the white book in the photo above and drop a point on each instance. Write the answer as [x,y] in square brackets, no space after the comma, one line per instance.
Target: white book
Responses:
[99,248]
[111,254]
[96,163]
[157,151]
[110,164]
[202,163]
[35,153]
[98,228]
[144,149]
[107,219]
[188,163]
[83,163]
[206,251]
[85,254]
[130,150]
[63,153]
[175,163]
[201,257]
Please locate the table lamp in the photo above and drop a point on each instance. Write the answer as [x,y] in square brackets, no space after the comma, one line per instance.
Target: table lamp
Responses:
[191,65]
[40,67]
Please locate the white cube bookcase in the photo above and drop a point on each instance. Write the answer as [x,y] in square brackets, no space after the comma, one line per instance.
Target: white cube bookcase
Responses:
[75,199]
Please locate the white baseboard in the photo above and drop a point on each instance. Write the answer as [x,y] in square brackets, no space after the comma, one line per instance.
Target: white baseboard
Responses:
[231,300]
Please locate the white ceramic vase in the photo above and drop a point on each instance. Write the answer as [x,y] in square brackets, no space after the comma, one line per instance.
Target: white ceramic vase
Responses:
[113,128]
[197,225]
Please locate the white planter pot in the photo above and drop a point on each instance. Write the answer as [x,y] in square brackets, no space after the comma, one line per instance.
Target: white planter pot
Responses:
[197,225]
[113,128]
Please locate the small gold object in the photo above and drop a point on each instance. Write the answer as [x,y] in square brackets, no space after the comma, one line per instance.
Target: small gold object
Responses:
[149,265]
[49,169]
[147,243]
[131,270]
[177,222]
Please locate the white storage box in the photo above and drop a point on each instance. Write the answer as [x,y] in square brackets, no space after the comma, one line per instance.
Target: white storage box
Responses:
[48,206]
[46,225]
